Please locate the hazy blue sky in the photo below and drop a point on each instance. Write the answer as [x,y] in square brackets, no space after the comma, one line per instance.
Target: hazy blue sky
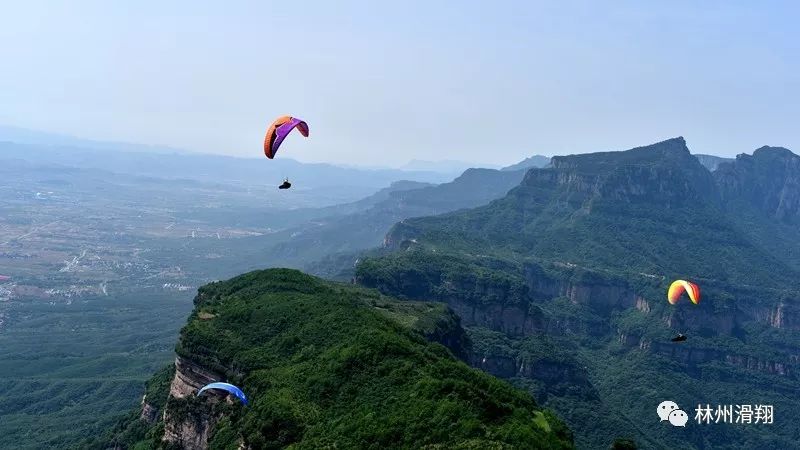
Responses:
[384,82]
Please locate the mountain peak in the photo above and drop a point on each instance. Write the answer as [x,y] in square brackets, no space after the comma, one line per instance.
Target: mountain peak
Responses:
[664,173]
[676,145]
[770,151]
[768,179]
[674,149]
[537,161]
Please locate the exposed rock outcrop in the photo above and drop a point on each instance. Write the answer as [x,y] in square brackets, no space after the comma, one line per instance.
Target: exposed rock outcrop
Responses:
[556,376]
[149,413]
[693,355]
[769,179]
[512,320]
[448,332]
[187,434]
[188,429]
[601,296]
[630,177]
[189,378]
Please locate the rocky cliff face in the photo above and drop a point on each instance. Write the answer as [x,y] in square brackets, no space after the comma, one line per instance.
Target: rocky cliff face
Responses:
[188,429]
[785,315]
[189,378]
[546,371]
[149,413]
[602,296]
[664,173]
[448,332]
[693,355]
[187,434]
[769,180]
[523,316]
[399,237]
[512,320]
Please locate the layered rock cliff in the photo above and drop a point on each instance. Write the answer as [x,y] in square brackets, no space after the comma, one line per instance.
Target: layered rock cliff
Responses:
[768,180]
[189,429]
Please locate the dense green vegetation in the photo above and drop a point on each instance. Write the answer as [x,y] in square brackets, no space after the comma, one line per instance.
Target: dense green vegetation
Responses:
[55,388]
[332,364]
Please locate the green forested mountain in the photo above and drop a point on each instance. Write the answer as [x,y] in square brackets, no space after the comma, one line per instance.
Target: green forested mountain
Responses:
[653,209]
[328,365]
[562,284]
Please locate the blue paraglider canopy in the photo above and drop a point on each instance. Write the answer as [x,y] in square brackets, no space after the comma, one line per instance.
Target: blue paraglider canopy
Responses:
[225,387]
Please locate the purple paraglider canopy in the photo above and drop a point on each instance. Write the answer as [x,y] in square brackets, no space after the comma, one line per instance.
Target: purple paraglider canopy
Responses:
[278,131]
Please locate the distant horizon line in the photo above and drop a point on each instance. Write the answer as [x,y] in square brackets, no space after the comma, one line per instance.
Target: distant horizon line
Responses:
[169,149]
[87,143]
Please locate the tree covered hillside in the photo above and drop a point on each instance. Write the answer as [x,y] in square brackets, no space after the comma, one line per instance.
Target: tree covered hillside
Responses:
[329,364]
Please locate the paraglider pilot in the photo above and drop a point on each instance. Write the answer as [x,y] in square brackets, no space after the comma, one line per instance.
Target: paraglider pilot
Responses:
[679,338]
[277,132]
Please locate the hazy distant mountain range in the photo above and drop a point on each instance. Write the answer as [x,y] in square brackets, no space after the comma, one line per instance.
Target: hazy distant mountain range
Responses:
[331,184]
[538,161]
[43,138]
[446,166]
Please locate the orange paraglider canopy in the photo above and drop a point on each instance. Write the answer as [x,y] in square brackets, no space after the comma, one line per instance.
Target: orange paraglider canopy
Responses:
[678,287]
